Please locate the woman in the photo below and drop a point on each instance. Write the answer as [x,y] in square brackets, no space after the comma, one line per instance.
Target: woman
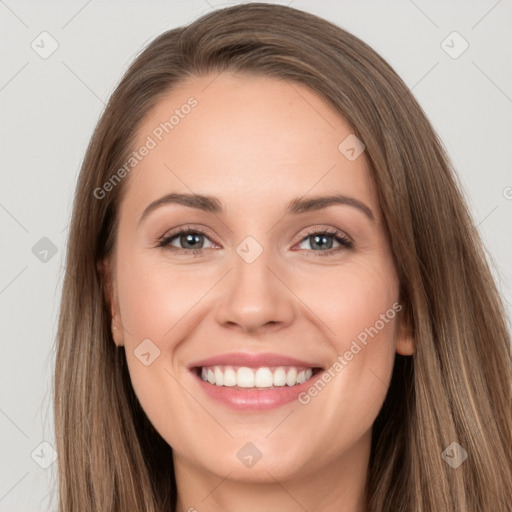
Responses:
[275,296]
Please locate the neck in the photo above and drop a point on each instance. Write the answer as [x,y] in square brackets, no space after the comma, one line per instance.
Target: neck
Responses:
[336,486]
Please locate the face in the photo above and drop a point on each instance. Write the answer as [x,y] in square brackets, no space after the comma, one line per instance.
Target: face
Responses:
[259,313]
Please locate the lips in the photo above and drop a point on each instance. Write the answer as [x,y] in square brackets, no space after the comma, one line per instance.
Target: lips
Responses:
[246,381]
[253,360]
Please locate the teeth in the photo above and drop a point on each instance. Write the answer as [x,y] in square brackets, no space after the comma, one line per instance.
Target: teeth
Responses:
[291,377]
[265,377]
[219,376]
[280,377]
[229,377]
[244,378]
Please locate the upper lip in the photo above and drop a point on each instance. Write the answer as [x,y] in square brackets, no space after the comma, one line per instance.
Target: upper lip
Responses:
[253,360]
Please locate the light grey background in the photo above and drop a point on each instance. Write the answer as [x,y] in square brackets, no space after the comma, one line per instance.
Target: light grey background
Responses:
[49,108]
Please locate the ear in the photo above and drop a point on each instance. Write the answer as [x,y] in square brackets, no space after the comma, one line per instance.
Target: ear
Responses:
[106,271]
[405,345]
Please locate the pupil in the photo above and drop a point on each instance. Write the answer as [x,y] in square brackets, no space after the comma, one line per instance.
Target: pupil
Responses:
[191,239]
[322,241]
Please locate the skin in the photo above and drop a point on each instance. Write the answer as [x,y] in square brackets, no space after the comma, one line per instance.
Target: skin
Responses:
[256,143]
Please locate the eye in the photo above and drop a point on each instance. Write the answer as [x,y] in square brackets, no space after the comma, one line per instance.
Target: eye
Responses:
[186,240]
[322,241]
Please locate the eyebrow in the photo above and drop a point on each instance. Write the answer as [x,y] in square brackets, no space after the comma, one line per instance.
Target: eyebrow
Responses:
[296,206]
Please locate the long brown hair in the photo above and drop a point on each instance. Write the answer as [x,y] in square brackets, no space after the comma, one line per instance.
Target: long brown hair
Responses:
[456,387]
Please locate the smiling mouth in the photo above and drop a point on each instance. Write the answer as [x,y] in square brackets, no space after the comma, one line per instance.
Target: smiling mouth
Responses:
[245,378]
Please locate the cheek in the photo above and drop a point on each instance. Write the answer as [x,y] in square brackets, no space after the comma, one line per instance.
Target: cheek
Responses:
[153,298]
[155,303]
[159,302]
[352,300]
[361,315]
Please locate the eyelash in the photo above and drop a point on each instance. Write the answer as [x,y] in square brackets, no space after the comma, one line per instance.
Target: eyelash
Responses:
[344,241]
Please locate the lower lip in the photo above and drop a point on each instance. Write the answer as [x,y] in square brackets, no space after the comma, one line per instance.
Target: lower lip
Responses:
[255,399]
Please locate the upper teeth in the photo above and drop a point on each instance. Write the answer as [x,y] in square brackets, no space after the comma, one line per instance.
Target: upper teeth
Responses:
[245,377]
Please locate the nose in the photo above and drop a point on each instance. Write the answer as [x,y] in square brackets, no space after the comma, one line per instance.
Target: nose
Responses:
[254,297]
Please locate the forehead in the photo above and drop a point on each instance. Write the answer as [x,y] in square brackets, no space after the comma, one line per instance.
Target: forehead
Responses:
[245,139]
